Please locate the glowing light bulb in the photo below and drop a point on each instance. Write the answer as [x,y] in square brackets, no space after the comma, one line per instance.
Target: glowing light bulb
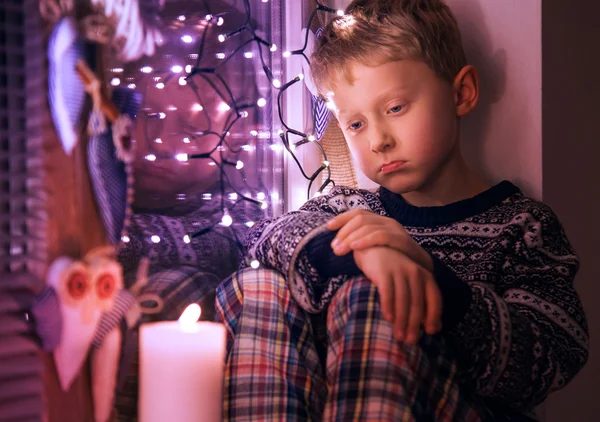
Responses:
[186,239]
[181,18]
[273,48]
[264,205]
[326,163]
[250,224]
[186,140]
[182,157]
[222,38]
[115,82]
[155,239]
[254,133]
[300,76]
[117,70]
[187,39]
[125,239]
[233,196]
[226,220]
[261,102]
[146,69]
[207,196]
[276,83]
[189,318]
[220,56]
[223,106]
[248,54]
[208,17]
[287,54]
[220,21]
[160,85]
[239,165]
[150,157]
[161,115]
[176,69]
[255,264]
[197,107]
[280,132]
[188,68]
[158,141]
[182,81]
[244,114]
[312,138]
[131,86]
[260,196]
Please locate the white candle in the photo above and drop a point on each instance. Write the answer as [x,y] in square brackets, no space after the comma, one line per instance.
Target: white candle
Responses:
[181,370]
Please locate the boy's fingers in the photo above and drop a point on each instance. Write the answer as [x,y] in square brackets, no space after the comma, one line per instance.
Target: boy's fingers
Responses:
[351,226]
[340,220]
[417,308]
[377,237]
[401,306]
[386,297]
[433,308]
[343,247]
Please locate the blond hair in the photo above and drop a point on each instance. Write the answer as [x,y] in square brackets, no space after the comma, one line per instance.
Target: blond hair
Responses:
[375,32]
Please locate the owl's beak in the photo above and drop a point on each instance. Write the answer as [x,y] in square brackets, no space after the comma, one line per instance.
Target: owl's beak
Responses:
[88,309]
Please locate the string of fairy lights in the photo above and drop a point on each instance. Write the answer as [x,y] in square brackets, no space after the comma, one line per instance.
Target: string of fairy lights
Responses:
[237,109]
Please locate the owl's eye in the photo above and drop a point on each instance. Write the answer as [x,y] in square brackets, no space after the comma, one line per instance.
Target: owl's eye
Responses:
[105,287]
[77,285]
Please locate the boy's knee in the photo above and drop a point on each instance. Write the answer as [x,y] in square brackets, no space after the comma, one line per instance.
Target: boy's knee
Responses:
[248,283]
[356,291]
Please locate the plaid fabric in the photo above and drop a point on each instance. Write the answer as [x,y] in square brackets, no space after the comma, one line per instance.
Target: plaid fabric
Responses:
[274,372]
[178,288]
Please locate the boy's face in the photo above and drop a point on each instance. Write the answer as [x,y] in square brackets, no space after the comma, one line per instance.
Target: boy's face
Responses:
[400,122]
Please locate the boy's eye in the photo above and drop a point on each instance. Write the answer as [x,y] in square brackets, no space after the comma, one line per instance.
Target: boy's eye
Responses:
[355,126]
[396,109]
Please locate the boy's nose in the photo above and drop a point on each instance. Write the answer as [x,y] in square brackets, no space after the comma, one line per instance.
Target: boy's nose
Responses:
[381,140]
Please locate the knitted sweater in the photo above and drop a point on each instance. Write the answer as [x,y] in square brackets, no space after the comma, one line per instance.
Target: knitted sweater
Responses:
[503,264]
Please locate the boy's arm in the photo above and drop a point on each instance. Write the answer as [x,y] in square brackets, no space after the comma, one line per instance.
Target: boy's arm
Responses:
[280,243]
[522,343]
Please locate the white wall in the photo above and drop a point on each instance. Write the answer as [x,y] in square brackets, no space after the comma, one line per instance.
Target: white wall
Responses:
[502,138]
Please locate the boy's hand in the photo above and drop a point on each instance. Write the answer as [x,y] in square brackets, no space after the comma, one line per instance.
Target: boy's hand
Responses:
[360,229]
[409,294]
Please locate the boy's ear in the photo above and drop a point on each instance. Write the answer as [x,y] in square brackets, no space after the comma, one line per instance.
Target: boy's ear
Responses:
[466,90]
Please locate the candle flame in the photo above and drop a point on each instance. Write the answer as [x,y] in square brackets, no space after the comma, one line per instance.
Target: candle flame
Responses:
[189,317]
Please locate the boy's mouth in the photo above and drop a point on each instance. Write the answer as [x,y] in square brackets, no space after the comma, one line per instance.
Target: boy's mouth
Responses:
[392,167]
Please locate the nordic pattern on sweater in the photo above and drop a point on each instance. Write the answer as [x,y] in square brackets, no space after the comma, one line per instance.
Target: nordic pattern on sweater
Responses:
[524,334]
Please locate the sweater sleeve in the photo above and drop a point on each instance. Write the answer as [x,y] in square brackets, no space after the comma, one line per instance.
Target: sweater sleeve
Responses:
[281,244]
[518,343]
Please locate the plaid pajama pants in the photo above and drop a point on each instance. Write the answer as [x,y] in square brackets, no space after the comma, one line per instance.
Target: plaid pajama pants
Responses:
[343,365]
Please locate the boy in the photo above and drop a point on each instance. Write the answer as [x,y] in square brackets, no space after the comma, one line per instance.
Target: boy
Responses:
[485,272]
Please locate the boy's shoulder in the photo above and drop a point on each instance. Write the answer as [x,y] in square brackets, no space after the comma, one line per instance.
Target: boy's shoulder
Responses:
[521,209]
